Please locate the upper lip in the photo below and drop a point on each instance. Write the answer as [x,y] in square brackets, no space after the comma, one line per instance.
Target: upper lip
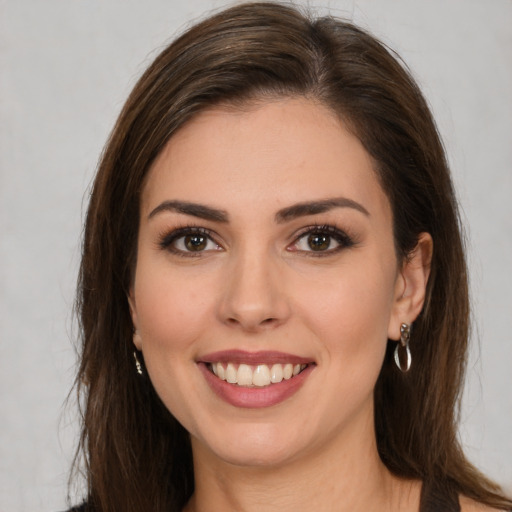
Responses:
[254,358]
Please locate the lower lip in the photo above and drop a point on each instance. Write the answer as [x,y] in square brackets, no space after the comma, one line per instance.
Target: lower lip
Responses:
[256,397]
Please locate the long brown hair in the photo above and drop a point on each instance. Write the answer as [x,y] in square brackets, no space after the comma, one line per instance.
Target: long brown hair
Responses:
[136,455]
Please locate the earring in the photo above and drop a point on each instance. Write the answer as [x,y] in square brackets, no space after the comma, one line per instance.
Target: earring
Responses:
[138,366]
[403,344]
[137,341]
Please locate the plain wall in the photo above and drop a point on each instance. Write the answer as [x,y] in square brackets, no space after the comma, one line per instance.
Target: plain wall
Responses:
[66,68]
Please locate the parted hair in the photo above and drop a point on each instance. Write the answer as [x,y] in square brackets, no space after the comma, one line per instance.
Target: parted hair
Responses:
[135,456]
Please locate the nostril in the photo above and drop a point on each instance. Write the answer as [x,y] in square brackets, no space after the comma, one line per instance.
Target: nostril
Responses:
[253,324]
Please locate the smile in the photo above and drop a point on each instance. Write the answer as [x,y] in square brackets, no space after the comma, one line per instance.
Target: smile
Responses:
[260,375]
[255,379]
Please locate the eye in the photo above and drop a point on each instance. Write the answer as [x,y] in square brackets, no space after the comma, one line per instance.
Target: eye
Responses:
[194,243]
[318,242]
[322,240]
[187,241]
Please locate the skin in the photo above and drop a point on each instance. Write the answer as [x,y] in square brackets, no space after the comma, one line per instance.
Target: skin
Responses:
[258,285]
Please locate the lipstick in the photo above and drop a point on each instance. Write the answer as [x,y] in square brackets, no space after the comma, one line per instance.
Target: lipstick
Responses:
[227,387]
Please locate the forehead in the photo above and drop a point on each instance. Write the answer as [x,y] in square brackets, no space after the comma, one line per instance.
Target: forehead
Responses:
[269,154]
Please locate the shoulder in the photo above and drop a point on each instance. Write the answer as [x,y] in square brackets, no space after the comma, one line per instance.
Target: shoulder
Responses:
[469,505]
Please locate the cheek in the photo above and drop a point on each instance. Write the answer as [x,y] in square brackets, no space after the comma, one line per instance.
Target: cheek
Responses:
[350,321]
[350,310]
[169,307]
[169,313]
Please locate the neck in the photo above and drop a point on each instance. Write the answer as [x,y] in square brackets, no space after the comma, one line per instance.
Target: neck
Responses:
[347,475]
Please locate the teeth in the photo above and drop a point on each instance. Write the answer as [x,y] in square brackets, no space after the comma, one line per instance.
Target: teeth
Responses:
[244,375]
[258,376]
[231,374]
[276,373]
[221,373]
[261,375]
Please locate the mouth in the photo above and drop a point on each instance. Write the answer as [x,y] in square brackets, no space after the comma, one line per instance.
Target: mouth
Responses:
[255,379]
[260,375]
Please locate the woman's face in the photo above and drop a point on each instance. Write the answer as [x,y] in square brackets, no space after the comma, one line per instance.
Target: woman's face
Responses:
[266,248]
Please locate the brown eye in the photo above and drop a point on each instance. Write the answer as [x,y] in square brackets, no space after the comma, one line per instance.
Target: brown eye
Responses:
[319,241]
[196,242]
[189,241]
[322,241]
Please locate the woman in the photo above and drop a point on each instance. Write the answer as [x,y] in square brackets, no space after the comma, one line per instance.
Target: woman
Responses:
[273,295]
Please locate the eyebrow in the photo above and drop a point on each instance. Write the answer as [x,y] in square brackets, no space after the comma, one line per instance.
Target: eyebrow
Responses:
[193,209]
[315,207]
[286,214]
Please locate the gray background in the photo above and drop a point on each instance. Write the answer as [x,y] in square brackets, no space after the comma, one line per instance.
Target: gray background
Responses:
[66,68]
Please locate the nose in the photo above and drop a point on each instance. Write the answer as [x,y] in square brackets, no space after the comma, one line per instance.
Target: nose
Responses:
[254,296]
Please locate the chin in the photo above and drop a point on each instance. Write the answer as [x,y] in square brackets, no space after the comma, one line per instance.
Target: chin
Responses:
[254,446]
[255,457]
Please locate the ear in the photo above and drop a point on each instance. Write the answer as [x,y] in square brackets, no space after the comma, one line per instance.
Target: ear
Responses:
[137,340]
[411,285]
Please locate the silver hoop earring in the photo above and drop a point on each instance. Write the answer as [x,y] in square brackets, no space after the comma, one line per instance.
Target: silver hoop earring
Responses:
[138,366]
[403,346]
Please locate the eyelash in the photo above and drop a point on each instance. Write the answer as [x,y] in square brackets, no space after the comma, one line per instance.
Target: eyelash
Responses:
[344,240]
[168,239]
